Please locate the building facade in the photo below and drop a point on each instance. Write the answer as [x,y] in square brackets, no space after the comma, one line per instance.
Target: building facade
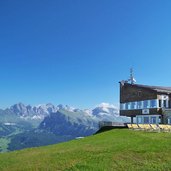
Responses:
[145,104]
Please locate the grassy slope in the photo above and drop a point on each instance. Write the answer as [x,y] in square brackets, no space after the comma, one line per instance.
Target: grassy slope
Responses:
[113,150]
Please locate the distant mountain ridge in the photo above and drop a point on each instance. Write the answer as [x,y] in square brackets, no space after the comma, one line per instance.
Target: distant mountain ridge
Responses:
[104,111]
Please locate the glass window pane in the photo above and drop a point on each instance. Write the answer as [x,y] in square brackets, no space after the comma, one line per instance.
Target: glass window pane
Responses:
[121,106]
[134,105]
[164,103]
[129,105]
[153,103]
[139,105]
[139,120]
[145,103]
[160,103]
[169,103]
[146,120]
[153,120]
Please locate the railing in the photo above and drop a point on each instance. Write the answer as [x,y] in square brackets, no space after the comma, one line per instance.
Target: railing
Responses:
[107,123]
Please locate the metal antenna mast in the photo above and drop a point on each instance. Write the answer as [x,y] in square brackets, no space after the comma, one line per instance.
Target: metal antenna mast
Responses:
[132,79]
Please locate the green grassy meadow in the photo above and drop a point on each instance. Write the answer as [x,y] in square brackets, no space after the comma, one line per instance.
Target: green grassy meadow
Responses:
[118,149]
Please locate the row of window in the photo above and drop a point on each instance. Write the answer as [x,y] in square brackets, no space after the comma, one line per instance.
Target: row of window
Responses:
[153,119]
[147,119]
[146,104]
[139,105]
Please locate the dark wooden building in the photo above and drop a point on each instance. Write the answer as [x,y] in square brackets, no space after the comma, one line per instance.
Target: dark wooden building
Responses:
[145,104]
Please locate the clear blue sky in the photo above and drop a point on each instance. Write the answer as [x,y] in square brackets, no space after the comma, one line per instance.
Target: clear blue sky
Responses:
[74,52]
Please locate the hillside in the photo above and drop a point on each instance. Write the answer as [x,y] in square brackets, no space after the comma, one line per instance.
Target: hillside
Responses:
[113,150]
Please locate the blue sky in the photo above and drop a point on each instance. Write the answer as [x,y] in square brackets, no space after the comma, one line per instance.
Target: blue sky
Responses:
[74,52]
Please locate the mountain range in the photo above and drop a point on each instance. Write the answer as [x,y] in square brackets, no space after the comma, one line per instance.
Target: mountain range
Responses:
[102,111]
[23,126]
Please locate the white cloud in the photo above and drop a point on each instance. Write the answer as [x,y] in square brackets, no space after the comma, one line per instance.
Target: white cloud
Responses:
[106,105]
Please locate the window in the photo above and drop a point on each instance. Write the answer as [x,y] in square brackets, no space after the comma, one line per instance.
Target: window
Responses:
[146,120]
[129,105]
[126,106]
[159,103]
[134,105]
[164,103]
[139,120]
[153,103]
[139,105]
[139,93]
[169,121]
[169,104]
[121,106]
[153,120]
[146,104]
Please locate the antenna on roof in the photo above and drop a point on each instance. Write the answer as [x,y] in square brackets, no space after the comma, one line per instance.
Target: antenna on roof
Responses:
[132,79]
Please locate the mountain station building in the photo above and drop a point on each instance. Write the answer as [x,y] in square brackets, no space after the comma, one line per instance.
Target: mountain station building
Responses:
[145,104]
